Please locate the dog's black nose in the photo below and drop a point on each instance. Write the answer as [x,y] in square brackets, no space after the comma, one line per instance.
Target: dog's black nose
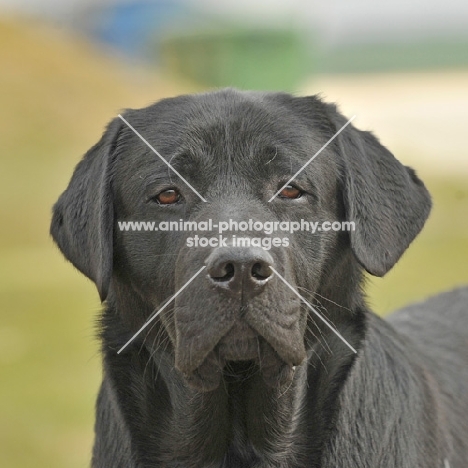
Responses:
[239,270]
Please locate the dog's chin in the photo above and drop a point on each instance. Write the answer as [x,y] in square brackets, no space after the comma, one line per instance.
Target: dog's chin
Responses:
[251,359]
[207,376]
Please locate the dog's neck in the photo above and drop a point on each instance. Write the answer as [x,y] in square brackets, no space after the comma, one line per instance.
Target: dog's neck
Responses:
[242,423]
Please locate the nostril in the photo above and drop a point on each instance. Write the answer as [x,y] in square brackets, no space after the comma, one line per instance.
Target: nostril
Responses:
[224,273]
[240,271]
[261,271]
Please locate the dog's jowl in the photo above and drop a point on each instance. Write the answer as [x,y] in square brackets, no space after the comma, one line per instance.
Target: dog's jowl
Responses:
[234,329]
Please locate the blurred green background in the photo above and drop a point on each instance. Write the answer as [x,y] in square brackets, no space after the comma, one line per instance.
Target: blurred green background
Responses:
[59,85]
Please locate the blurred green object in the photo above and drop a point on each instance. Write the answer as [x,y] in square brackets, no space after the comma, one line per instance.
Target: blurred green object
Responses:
[265,59]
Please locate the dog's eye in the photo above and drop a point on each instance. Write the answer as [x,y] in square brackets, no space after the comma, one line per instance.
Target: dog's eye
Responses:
[290,192]
[168,197]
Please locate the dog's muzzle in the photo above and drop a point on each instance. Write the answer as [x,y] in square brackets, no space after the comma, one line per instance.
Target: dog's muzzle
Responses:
[240,276]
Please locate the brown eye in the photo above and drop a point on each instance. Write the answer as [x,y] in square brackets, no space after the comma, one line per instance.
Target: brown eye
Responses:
[290,192]
[168,197]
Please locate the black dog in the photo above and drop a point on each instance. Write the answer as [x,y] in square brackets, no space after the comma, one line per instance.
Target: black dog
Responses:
[238,371]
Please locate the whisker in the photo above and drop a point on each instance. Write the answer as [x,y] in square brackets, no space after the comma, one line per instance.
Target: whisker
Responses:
[323,319]
[315,293]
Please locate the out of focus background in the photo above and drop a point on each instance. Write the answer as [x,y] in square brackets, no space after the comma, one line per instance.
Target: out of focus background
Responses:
[68,66]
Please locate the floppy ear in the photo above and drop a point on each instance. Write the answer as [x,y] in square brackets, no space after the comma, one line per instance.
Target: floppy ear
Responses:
[386,200]
[82,221]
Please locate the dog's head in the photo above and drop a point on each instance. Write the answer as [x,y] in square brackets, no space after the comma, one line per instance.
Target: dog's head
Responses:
[236,150]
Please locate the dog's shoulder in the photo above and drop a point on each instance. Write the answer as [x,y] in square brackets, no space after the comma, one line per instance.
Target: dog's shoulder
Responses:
[442,318]
[437,329]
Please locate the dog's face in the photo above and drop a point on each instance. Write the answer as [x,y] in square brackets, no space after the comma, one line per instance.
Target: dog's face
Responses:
[236,150]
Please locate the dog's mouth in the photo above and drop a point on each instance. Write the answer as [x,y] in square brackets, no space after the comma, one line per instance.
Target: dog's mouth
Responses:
[239,355]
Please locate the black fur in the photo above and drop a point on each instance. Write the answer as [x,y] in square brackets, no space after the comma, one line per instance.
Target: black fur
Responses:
[176,397]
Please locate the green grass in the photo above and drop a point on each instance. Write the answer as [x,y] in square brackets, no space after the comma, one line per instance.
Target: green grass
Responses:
[50,368]
[56,96]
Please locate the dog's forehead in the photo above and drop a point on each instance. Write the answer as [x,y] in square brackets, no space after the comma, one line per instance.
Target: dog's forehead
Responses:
[245,129]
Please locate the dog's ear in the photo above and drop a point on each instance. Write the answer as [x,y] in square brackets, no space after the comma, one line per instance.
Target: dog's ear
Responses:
[82,221]
[386,200]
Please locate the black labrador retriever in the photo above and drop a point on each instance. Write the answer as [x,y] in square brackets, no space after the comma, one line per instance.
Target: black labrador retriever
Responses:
[252,364]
